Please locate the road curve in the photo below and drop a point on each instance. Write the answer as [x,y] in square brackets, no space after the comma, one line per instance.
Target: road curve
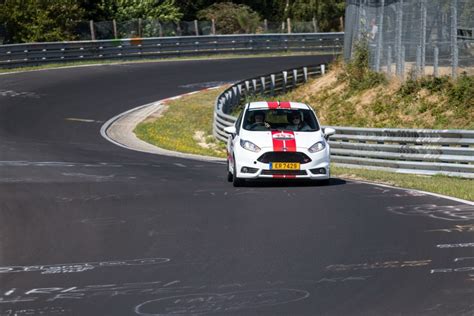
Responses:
[90,228]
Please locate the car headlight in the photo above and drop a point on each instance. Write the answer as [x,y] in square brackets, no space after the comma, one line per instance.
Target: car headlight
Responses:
[317,147]
[249,146]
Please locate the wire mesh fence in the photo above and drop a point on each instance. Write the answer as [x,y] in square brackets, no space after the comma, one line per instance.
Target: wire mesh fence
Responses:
[413,37]
[103,30]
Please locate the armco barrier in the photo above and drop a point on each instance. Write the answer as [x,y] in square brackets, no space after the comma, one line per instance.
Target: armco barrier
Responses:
[418,151]
[17,55]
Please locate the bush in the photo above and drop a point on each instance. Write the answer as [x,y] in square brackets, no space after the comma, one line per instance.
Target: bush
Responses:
[231,18]
[357,72]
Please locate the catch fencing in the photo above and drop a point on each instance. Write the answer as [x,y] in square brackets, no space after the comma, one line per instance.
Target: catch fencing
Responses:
[17,55]
[417,151]
[413,37]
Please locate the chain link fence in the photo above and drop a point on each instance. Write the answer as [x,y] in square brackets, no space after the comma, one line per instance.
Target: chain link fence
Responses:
[413,37]
[145,28]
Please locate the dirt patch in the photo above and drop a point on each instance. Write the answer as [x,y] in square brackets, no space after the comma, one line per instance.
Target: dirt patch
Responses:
[200,137]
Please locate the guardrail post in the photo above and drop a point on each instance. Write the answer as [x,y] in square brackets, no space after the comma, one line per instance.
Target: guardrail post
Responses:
[435,62]
[239,88]
[236,95]
[196,27]
[262,82]
[91,27]
[247,87]
[305,72]
[323,69]
[272,84]
[254,84]
[285,79]
[295,77]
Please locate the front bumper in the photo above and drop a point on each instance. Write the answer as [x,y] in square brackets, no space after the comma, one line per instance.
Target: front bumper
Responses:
[245,159]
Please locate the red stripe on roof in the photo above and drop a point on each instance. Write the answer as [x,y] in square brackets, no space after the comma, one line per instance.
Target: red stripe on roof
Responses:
[272,105]
[285,105]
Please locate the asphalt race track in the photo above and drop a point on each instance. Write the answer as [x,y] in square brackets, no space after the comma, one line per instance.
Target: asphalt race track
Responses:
[89,228]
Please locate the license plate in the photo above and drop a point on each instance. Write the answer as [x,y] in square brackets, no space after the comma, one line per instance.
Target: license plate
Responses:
[285,165]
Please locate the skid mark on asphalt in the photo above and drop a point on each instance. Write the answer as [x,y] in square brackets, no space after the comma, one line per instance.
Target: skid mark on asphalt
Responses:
[17,94]
[460,212]
[83,120]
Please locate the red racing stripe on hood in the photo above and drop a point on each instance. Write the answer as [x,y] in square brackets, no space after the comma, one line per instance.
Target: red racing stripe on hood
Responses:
[284,141]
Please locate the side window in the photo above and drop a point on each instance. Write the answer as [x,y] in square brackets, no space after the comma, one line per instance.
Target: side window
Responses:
[239,122]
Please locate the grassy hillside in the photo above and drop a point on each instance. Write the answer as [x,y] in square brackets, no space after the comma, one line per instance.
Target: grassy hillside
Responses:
[352,95]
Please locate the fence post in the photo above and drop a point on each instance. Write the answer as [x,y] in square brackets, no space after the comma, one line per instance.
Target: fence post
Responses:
[247,87]
[389,61]
[283,27]
[379,36]
[418,61]
[140,27]
[288,21]
[114,25]
[295,77]
[262,82]
[423,36]
[435,62]
[265,26]
[196,27]
[213,27]
[272,84]
[398,35]
[91,26]
[160,28]
[285,79]
[254,84]
[323,70]
[315,25]
[402,72]
[305,72]
[454,39]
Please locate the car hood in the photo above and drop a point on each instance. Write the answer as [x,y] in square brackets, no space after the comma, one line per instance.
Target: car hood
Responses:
[274,139]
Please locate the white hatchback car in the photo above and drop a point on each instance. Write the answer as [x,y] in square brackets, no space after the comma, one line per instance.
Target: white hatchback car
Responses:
[280,140]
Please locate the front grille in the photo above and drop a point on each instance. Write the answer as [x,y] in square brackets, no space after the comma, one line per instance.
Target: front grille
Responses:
[284,172]
[284,156]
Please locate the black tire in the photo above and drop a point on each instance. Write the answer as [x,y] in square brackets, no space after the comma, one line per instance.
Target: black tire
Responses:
[230,177]
[237,182]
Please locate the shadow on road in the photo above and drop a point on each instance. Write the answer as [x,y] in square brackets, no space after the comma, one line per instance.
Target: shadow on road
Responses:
[292,183]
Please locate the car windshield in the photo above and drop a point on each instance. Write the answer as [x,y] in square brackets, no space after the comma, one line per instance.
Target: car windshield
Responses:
[280,119]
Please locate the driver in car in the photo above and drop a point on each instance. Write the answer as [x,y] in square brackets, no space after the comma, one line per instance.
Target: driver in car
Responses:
[259,123]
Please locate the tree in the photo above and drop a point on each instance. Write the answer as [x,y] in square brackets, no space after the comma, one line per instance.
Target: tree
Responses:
[164,10]
[231,18]
[39,20]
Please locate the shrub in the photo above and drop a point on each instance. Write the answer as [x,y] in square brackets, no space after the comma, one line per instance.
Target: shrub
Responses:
[231,18]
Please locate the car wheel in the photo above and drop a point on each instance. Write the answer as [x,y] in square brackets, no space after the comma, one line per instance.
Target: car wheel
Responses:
[237,182]
[230,177]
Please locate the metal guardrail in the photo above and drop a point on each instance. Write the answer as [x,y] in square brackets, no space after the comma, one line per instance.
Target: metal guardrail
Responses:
[417,151]
[17,55]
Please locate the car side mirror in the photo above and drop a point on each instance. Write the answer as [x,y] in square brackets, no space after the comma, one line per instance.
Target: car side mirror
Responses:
[328,131]
[230,130]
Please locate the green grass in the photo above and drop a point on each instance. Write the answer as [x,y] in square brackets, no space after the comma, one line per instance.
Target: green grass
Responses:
[450,186]
[114,62]
[176,130]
